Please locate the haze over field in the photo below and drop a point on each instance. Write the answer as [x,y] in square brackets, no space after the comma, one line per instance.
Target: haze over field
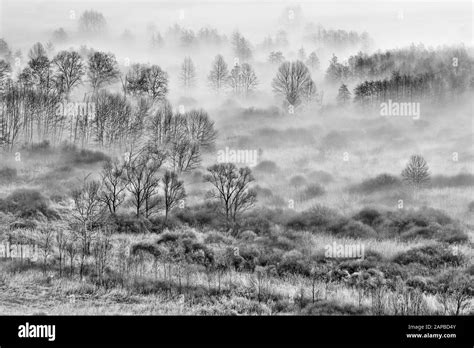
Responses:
[250,157]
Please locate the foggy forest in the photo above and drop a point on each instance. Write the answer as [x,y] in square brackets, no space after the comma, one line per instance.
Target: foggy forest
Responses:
[236,158]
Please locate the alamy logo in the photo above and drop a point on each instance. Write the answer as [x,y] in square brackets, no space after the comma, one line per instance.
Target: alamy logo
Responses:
[400,109]
[37,331]
[349,251]
[75,109]
[248,157]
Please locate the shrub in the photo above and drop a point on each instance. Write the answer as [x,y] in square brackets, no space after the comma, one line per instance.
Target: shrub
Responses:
[448,233]
[129,224]
[334,140]
[41,148]
[348,228]
[7,175]
[432,256]
[297,181]
[72,155]
[263,192]
[248,236]
[368,216]
[321,176]
[217,238]
[267,167]
[470,207]
[332,307]
[318,217]
[199,216]
[293,262]
[312,191]
[458,180]
[27,203]
[381,182]
[256,223]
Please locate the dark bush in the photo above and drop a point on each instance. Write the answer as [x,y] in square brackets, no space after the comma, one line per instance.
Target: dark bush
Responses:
[297,181]
[332,307]
[312,191]
[348,228]
[448,233]
[379,183]
[8,175]
[321,176]
[470,207]
[432,256]
[293,262]
[42,148]
[27,203]
[316,218]
[202,215]
[263,192]
[129,224]
[458,180]
[267,167]
[71,154]
[368,216]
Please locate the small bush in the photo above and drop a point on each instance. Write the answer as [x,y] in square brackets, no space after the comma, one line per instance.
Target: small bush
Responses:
[199,216]
[381,182]
[217,238]
[312,191]
[297,181]
[432,256]
[263,192]
[318,217]
[27,203]
[333,307]
[448,233]
[293,262]
[348,228]
[458,180]
[129,224]
[72,155]
[266,167]
[368,216]
[321,176]
[8,175]
[470,207]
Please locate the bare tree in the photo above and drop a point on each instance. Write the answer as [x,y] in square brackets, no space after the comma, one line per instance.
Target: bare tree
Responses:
[188,74]
[5,73]
[45,240]
[142,169]
[231,189]
[292,82]
[102,250]
[114,184]
[185,154]
[173,190]
[219,74]
[102,70]
[200,128]
[70,69]
[87,211]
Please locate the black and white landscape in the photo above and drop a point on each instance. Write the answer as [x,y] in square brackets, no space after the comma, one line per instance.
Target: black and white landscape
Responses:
[236,157]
